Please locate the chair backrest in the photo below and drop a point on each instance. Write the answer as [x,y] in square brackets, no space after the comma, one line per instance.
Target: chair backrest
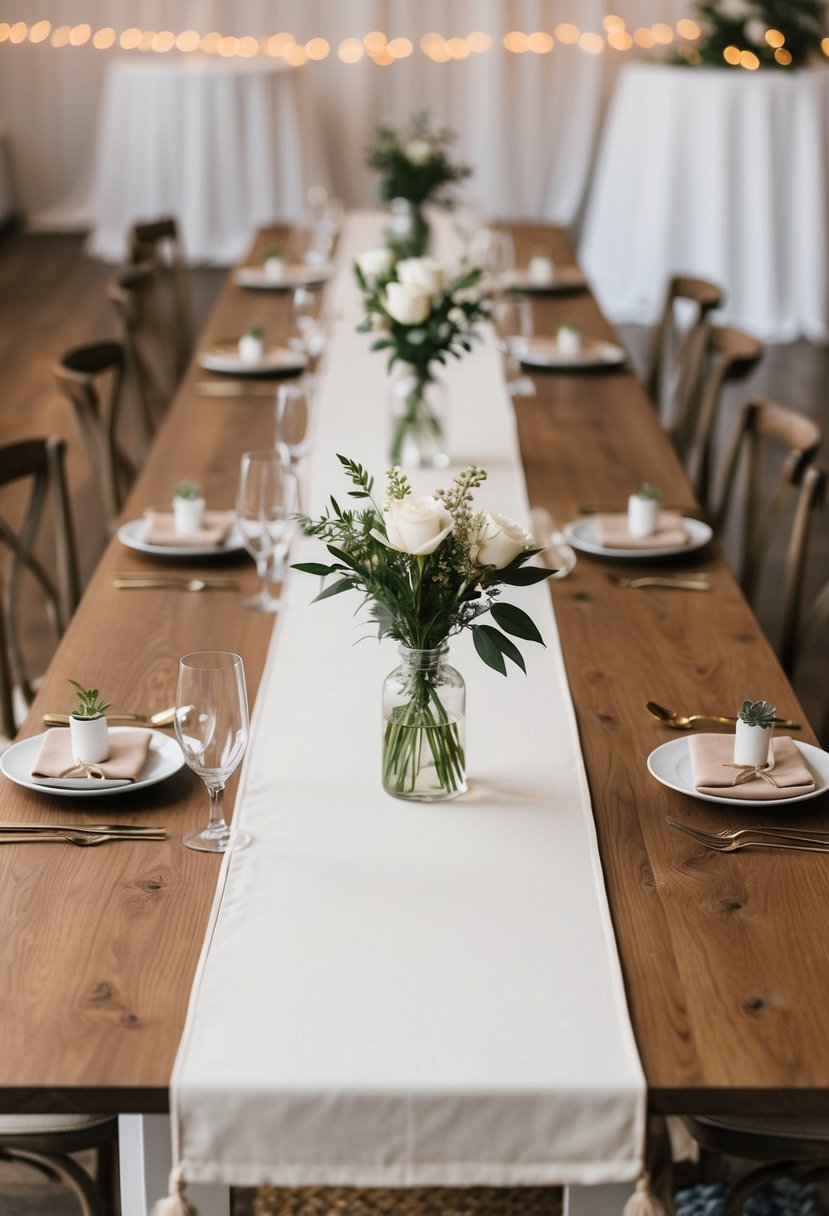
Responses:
[677,347]
[136,296]
[91,377]
[765,429]
[39,462]
[811,497]
[813,640]
[726,356]
[158,241]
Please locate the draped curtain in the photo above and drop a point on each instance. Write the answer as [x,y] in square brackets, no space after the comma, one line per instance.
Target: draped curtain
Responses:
[528,123]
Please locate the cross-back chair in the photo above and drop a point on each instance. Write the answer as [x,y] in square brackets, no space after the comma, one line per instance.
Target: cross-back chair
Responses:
[92,379]
[765,430]
[678,348]
[726,356]
[145,334]
[45,1143]
[158,242]
[39,464]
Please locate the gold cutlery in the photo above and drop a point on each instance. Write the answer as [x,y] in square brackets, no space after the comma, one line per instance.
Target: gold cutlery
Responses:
[692,583]
[234,388]
[164,717]
[679,721]
[753,838]
[127,829]
[177,583]
[68,836]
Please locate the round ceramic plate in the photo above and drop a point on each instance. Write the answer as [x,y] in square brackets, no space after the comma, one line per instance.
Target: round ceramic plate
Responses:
[581,534]
[564,279]
[278,361]
[131,534]
[671,765]
[255,278]
[544,352]
[164,758]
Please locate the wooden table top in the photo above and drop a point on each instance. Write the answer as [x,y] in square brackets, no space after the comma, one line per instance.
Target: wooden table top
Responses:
[723,955]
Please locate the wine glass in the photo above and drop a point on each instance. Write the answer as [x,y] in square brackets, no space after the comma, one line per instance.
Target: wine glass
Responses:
[266,504]
[499,258]
[307,323]
[291,435]
[212,728]
[513,319]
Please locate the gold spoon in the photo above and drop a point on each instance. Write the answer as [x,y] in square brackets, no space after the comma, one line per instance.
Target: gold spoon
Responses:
[165,717]
[679,721]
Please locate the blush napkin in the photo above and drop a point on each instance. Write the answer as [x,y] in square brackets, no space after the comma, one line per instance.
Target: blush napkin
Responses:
[712,754]
[159,529]
[127,756]
[612,532]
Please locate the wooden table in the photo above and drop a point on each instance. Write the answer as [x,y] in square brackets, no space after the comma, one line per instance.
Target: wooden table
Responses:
[723,956]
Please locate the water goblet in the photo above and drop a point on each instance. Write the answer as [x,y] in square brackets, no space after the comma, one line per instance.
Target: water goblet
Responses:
[266,504]
[212,728]
[307,322]
[513,319]
[499,258]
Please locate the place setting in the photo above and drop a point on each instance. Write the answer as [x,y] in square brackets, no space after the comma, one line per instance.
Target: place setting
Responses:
[186,529]
[543,276]
[250,355]
[569,350]
[645,531]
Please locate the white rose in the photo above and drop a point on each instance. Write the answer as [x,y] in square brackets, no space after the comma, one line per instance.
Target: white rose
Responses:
[376,263]
[755,31]
[500,540]
[425,273]
[416,525]
[407,304]
[418,151]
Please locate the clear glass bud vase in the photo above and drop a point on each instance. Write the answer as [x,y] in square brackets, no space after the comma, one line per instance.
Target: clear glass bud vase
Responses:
[417,408]
[408,232]
[424,708]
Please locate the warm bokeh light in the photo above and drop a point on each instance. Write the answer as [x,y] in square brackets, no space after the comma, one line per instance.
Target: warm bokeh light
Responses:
[731,55]
[775,38]
[567,32]
[383,58]
[612,24]
[79,35]
[278,44]
[210,42]
[620,40]
[430,40]
[130,39]
[457,48]
[5,29]
[375,41]
[248,46]
[516,42]
[188,40]
[317,48]
[644,38]
[400,48]
[20,29]
[103,39]
[438,52]
[592,44]
[541,43]
[663,33]
[228,46]
[164,41]
[295,55]
[351,50]
[688,29]
[60,36]
[784,57]
[479,42]
[749,60]
[40,31]
[145,42]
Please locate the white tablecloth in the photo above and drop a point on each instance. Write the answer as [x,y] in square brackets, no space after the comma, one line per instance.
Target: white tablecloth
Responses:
[393,993]
[720,173]
[227,146]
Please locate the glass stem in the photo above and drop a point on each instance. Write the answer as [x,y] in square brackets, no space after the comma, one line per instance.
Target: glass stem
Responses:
[263,566]
[217,824]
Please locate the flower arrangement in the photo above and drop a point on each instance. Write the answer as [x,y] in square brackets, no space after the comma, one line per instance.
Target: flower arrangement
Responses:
[428,568]
[420,317]
[414,163]
[781,33]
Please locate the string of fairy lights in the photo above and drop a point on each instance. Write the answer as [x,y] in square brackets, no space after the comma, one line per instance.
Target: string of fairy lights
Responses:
[384,51]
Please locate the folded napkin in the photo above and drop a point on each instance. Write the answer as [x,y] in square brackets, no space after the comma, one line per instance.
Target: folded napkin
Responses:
[159,529]
[127,756]
[612,532]
[712,761]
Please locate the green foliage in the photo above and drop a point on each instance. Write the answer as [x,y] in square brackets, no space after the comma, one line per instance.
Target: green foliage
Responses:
[187,489]
[255,331]
[743,24]
[757,713]
[390,152]
[646,490]
[90,706]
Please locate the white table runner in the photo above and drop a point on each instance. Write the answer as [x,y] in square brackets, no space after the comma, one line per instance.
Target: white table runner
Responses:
[399,994]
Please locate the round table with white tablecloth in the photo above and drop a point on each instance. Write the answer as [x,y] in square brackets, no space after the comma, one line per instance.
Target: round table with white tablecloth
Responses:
[225,145]
[720,173]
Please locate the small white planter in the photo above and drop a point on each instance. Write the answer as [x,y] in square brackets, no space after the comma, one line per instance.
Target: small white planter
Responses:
[188,514]
[251,349]
[89,738]
[752,744]
[568,340]
[540,269]
[275,269]
[643,515]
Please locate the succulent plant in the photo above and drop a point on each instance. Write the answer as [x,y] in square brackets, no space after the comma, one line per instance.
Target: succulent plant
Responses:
[187,489]
[646,490]
[255,331]
[90,706]
[757,713]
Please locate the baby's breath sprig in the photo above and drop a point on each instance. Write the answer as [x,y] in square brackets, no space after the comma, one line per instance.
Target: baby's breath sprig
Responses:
[397,485]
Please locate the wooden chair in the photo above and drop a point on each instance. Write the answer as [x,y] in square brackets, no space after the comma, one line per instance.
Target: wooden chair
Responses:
[158,242]
[677,349]
[726,356]
[149,354]
[44,1142]
[38,463]
[763,427]
[92,379]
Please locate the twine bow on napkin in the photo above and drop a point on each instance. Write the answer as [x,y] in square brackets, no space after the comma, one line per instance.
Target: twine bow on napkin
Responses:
[749,772]
[83,769]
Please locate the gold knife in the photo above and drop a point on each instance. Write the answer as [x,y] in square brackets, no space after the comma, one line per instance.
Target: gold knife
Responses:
[234,388]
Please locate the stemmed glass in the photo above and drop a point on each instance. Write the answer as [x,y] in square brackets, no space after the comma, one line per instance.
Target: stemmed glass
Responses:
[212,728]
[499,258]
[266,504]
[291,435]
[308,327]
[513,319]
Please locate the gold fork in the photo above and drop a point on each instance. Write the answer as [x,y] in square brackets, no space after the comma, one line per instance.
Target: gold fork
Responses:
[176,582]
[164,717]
[691,583]
[747,838]
[81,839]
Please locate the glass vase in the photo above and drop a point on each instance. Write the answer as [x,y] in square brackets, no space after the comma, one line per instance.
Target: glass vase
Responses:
[417,409]
[424,707]
[408,232]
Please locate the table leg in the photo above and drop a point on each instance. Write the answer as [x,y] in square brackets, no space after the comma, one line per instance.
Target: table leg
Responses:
[146,1158]
[606,1200]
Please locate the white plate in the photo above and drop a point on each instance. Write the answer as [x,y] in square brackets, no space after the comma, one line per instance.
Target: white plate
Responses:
[544,352]
[132,535]
[671,765]
[224,357]
[163,759]
[564,279]
[255,278]
[580,533]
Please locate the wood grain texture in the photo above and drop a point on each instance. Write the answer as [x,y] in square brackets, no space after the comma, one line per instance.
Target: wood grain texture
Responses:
[724,957]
